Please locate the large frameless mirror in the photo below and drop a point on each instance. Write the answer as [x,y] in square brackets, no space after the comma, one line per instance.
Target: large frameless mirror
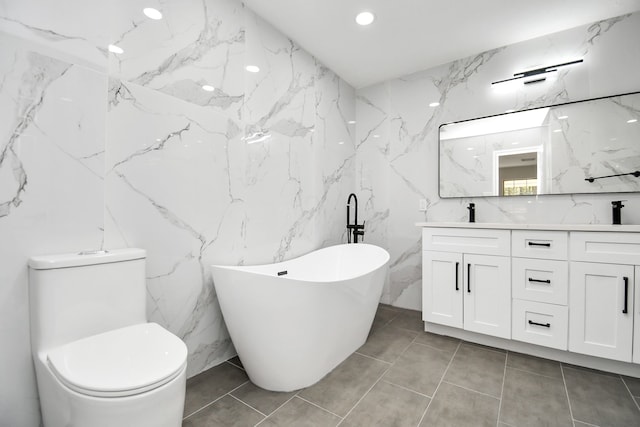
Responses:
[588,146]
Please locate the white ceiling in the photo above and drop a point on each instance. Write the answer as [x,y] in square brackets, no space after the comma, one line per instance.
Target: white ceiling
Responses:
[414,35]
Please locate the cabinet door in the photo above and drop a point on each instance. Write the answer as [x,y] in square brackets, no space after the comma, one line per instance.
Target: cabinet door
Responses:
[442,288]
[636,328]
[601,310]
[487,295]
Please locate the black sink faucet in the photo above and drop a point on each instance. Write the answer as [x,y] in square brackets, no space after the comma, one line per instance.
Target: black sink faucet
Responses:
[617,211]
[353,229]
[472,212]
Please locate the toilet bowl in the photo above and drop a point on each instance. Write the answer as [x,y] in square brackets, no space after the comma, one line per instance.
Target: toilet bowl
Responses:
[98,362]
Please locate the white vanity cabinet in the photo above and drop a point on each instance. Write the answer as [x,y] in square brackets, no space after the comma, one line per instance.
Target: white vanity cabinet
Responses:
[466,280]
[603,276]
[565,292]
[540,282]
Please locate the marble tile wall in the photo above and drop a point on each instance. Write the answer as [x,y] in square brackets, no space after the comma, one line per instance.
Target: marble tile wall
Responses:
[112,150]
[397,138]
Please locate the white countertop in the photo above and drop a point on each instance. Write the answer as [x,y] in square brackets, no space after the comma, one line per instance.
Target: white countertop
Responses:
[507,226]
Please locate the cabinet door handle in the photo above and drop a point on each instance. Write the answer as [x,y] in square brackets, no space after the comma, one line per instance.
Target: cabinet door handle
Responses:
[457,265]
[539,281]
[626,294]
[546,325]
[548,245]
[469,277]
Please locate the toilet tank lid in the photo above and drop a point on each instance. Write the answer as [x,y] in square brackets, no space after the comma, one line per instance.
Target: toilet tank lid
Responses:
[78,259]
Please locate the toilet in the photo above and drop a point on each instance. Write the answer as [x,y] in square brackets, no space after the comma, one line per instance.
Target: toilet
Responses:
[98,361]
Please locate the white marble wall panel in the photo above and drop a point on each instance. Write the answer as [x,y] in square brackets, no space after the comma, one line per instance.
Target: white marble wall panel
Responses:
[197,43]
[77,30]
[196,184]
[408,169]
[51,192]
[168,191]
[334,150]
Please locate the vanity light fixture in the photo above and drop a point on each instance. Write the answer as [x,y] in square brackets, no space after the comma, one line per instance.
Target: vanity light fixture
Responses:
[208,88]
[152,13]
[115,49]
[365,18]
[252,68]
[537,72]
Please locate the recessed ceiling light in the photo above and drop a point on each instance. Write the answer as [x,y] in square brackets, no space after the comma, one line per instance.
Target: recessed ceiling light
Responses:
[632,121]
[252,68]
[340,142]
[152,13]
[365,18]
[434,104]
[352,122]
[208,88]
[376,136]
[115,49]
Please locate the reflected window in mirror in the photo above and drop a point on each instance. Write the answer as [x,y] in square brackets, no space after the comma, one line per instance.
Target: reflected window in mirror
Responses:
[587,146]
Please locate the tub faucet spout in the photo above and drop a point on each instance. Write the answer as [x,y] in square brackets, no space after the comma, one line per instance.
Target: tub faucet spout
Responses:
[353,229]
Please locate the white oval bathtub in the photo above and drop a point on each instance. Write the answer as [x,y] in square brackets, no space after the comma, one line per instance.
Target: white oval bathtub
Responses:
[293,329]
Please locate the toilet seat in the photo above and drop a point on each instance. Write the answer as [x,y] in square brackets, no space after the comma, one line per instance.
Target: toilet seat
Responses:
[118,363]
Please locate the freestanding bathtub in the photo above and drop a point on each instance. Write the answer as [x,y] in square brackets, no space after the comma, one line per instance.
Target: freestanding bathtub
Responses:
[294,321]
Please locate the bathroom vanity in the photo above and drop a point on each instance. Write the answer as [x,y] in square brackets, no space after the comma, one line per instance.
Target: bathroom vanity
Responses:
[565,292]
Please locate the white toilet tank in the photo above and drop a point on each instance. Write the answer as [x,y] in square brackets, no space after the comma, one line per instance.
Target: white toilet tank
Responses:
[73,296]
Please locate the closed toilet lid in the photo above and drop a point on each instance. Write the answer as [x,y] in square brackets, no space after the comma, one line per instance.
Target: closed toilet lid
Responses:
[121,362]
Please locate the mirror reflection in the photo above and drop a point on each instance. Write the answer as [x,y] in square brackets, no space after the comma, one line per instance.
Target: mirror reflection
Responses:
[581,147]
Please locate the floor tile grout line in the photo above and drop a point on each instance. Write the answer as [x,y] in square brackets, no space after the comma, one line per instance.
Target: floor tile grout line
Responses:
[504,380]
[214,401]
[367,392]
[485,347]
[471,390]
[432,346]
[234,365]
[373,358]
[276,410]
[533,373]
[406,388]
[566,391]
[246,404]
[630,394]
[319,407]
[584,422]
[439,383]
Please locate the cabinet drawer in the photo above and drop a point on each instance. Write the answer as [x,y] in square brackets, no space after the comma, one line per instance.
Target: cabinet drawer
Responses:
[616,248]
[540,280]
[540,323]
[539,244]
[470,241]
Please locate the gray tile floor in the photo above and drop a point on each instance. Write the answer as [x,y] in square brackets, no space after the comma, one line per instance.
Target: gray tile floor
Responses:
[403,376]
